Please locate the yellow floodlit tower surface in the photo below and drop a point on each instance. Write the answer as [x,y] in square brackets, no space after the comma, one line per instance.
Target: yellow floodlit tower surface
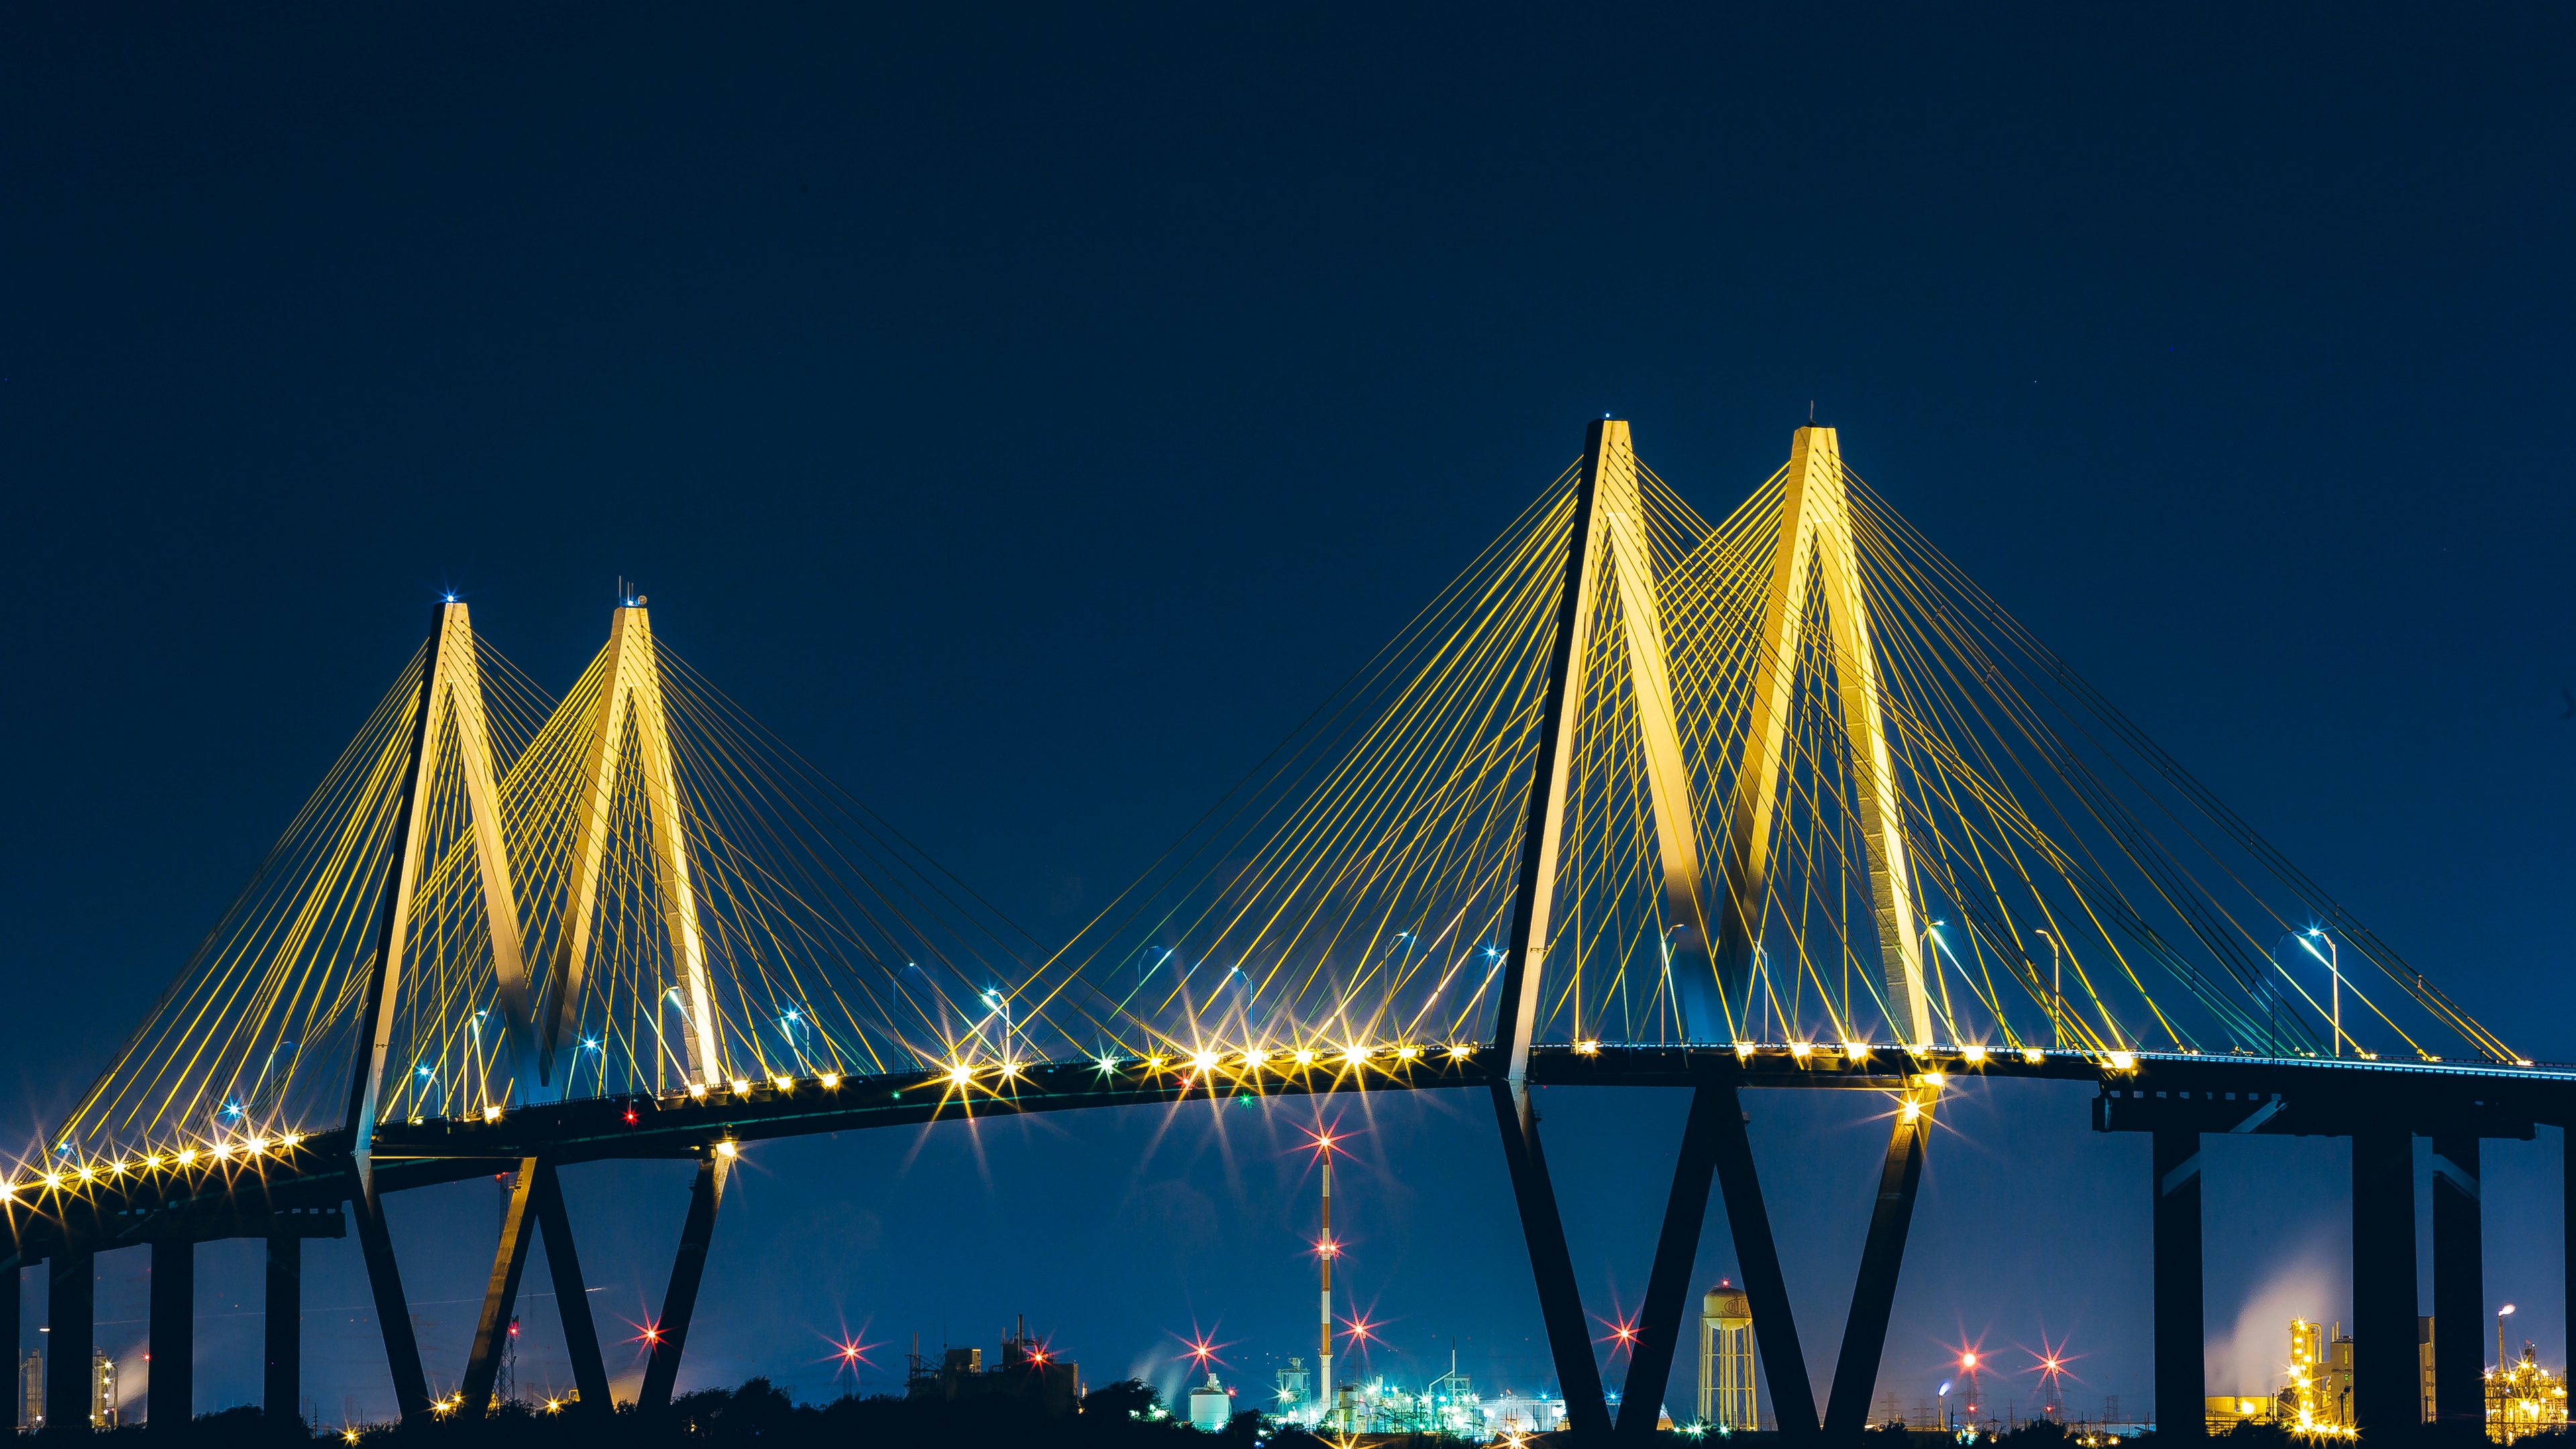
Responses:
[1816,554]
[630,718]
[1609,538]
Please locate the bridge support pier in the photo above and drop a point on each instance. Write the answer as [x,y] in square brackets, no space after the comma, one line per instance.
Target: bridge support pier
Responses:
[1757,1257]
[501,1294]
[71,1291]
[1714,1145]
[2459,1285]
[670,1334]
[2386,1374]
[581,1335]
[1874,1296]
[393,1312]
[282,1384]
[1560,1301]
[11,1302]
[171,1389]
[1650,1363]
[2181,1380]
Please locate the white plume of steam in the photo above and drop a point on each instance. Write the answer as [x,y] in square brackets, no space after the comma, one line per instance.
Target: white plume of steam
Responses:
[2255,1358]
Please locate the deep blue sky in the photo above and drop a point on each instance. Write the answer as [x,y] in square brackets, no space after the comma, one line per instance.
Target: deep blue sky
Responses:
[1032,414]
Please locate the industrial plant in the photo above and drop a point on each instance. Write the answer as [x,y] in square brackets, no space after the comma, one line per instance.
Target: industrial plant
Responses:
[2316,1393]
[1026,1372]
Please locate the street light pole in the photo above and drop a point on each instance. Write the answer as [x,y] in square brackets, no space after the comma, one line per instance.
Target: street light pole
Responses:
[2333,959]
[2056,992]
[2334,973]
[1001,1006]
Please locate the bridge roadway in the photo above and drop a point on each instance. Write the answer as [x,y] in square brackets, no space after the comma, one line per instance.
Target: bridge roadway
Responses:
[291,1189]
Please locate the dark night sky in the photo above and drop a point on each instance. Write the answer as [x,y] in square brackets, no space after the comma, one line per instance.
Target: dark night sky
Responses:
[1032,414]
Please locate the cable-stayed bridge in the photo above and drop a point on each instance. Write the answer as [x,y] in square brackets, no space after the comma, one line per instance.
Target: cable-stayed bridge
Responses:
[1780,800]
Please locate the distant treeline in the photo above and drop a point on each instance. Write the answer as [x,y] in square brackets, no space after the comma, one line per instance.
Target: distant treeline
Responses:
[1126,1415]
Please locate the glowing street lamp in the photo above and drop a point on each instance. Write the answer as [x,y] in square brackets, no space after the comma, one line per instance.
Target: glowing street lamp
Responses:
[1001,1004]
[2501,1314]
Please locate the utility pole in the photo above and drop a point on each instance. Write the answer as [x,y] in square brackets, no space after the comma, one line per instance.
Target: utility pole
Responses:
[1324,1254]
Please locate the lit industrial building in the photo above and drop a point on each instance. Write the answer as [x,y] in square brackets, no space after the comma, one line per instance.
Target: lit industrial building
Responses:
[1027,1371]
[2315,1396]
[2524,1399]
[102,1391]
[1512,1415]
[2319,1393]
[2424,1368]
[1726,1397]
[1447,1405]
[1211,1406]
[1289,1393]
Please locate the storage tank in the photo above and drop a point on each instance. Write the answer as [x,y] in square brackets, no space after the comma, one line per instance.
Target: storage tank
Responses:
[1211,1407]
[1726,1398]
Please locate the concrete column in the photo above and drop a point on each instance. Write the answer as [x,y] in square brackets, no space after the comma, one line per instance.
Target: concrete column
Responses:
[680,1300]
[2181,1383]
[572,1299]
[170,1395]
[71,1291]
[1650,1358]
[2459,1285]
[2383,1282]
[1757,1256]
[10,1304]
[1882,1253]
[282,1385]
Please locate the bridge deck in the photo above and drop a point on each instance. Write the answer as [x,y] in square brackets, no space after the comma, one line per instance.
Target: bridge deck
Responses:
[241,1189]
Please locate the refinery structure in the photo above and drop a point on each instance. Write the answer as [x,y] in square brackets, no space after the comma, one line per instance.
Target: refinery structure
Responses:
[2315,1396]
[1450,1404]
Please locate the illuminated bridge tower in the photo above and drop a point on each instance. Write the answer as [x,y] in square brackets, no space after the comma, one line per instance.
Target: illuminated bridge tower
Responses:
[1609,560]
